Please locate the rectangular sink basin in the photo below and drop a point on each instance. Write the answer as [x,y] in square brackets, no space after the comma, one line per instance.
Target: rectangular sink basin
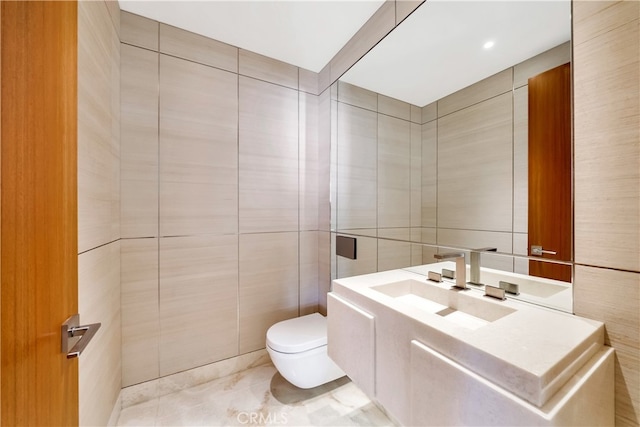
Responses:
[455,306]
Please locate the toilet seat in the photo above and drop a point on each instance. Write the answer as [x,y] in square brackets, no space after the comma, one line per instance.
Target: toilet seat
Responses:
[299,334]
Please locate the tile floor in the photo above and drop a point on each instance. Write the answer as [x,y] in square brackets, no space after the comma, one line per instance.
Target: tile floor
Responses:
[258,396]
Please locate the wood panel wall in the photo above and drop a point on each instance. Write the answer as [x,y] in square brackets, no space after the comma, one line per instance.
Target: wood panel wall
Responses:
[606,40]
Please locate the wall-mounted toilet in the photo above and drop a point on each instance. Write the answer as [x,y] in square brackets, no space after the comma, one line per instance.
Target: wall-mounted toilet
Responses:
[298,349]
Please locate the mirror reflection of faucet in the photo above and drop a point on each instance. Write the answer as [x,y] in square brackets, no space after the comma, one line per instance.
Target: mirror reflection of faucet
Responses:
[474,265]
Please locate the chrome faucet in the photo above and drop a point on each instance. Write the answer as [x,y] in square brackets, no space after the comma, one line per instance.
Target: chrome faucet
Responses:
[474,265]
[461,267]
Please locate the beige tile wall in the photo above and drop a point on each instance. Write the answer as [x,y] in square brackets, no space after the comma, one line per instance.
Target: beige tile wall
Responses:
[221,164]
[198,301]
[198,149]
[99,207]
[607,184]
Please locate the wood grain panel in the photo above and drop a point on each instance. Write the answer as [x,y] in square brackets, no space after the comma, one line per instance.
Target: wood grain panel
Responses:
[269,289]
[198,301]
[394,172]
[140,310]
[268,69]
[356,168]
[39,262]
[198,149]
[520,159]
[393,254]
[309,256]
[606,149]
[595,18]
[308,81]
[308,161]
[429,112]
[429,192]
[139,31]
[99,301]
[495,85]
[139,144]
[416,175]
[98,128]
[268,157]
[194,47]
[394,107]
[613,297]
[357,96]
[475,167]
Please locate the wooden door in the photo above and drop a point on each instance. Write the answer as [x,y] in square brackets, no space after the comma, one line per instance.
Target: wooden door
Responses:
[550,212]
[38,259]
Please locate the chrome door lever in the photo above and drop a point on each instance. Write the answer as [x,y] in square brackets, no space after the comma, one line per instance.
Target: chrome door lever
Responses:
[71,328]
[538,251]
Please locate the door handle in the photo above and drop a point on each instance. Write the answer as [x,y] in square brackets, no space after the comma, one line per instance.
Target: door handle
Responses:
[71,328]
[538,251]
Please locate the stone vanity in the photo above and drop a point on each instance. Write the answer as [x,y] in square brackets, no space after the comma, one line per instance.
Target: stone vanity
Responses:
[430,355]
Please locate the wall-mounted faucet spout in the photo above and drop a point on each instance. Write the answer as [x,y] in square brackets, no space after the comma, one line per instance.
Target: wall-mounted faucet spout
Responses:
[461,267]
[474,265]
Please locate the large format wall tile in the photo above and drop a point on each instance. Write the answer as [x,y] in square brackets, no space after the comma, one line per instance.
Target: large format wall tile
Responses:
[357,162]
[98,144]
[521,160]
[392,253]
[495,85]
[309,167]
[325,264]
[429,193]
[138,31]
[613,297]
[416,175]
[269,289]
[475,167]
[140,310]
[325,167]
[198,149]
[268,157]
[607,153]
[394,108]
[309,271]
[139,143]
[99,301]
[268,69]
[394,172]
[356,96]
[198,301]
[194,47]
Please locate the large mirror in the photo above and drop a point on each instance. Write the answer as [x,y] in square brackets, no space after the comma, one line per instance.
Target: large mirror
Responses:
[431,137]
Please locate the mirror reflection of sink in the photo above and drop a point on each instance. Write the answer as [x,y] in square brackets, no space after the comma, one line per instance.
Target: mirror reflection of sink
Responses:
[455,306]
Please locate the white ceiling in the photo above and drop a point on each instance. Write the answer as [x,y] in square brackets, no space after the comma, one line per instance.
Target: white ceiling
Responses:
[305,33]
[440,42]
[439,50]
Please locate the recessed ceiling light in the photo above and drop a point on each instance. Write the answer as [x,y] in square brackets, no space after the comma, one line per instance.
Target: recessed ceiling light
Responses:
[489,44]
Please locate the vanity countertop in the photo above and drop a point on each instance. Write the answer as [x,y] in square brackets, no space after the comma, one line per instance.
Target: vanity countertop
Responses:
[531,351]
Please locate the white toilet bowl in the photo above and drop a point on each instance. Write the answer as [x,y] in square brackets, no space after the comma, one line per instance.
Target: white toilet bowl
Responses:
[298,349]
